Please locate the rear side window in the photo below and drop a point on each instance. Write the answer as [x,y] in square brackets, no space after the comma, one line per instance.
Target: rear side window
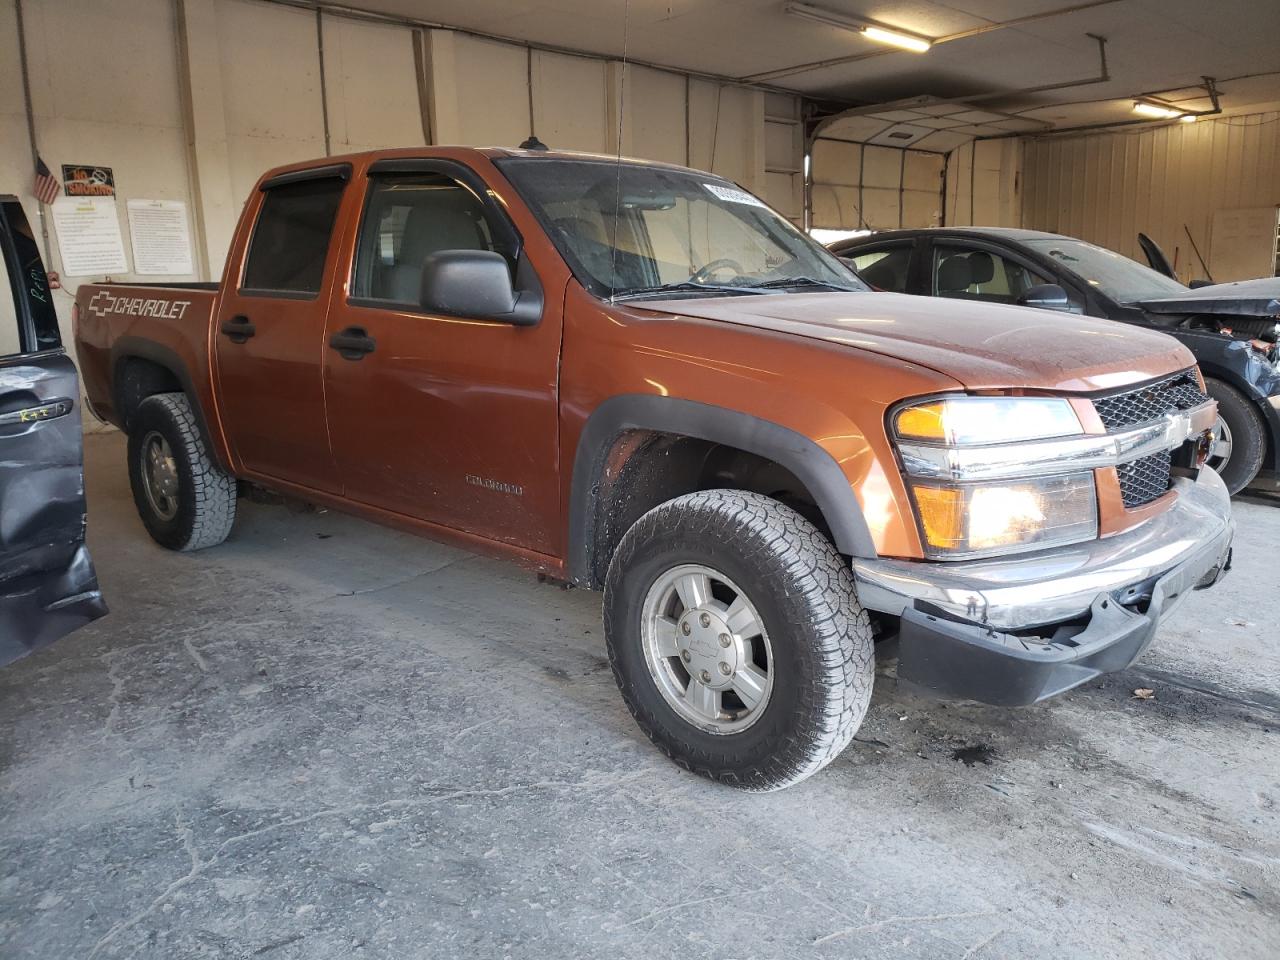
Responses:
[291,239]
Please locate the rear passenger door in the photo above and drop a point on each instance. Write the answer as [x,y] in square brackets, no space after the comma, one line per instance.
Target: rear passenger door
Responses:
[47,582]
[269,331]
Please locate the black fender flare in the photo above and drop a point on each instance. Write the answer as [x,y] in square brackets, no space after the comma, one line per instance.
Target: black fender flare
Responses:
[812,465]
[130,348]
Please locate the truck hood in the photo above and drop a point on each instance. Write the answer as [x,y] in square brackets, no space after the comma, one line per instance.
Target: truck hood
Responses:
[1253,298]
[980,345]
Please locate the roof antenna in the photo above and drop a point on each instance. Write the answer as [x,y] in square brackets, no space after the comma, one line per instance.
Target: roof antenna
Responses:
[617,187]
[533,143]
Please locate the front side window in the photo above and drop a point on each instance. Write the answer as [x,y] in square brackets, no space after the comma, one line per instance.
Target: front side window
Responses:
[407,218]
[629,229]
[28,321]
[291,239]
[886,268]
[968,274]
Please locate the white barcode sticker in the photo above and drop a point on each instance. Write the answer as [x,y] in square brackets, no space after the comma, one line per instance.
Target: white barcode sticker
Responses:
[733,194]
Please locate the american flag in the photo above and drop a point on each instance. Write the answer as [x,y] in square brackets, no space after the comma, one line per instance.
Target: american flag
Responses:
[47,185]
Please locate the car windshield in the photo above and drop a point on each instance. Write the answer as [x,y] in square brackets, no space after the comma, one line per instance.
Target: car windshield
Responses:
[1112,275]
[631,230]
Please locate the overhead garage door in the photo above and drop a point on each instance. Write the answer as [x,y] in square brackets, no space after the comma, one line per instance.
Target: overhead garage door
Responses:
[859,186]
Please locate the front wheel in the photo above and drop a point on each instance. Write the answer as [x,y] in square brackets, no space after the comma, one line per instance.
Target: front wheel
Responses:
[1239,437]
[737,640]
[185,499]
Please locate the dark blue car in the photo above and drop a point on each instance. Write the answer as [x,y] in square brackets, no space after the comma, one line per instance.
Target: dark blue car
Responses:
[1231,328]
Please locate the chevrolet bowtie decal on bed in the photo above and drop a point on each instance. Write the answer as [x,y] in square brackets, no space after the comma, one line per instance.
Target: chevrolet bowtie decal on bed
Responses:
[103,304]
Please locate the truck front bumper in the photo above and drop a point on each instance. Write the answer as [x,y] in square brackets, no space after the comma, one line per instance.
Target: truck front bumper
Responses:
[1013,632]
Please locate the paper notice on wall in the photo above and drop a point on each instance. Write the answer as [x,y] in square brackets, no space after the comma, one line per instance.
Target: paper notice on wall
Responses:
[160,237]
[89,240]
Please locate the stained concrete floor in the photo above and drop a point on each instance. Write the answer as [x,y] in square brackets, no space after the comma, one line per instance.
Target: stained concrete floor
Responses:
[328,740]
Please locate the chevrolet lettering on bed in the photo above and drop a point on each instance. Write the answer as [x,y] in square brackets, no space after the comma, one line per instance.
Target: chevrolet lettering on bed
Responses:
[639,378]
[103,303]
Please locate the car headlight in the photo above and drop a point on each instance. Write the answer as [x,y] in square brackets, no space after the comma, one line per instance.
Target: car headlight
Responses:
[961,518]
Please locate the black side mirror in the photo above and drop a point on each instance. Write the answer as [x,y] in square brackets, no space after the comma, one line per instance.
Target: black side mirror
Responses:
[1045,296]
[1200,282]
[474,283]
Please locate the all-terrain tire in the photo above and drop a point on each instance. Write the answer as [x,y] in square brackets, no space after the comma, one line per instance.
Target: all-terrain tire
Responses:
[821,638]
[206,496]
[1248,435]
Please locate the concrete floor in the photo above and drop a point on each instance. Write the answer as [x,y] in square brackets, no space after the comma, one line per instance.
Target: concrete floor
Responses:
[328,740]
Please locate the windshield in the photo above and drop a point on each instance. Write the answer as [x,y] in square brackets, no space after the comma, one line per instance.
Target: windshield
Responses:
[675,233]
[1114,276]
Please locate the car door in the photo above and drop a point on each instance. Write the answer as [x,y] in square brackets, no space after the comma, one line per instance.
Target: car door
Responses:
[269,334]
[965,269]
[48,586]
[448,419]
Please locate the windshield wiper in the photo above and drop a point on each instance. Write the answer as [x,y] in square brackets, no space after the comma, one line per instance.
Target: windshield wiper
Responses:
[684,285]
[783,282]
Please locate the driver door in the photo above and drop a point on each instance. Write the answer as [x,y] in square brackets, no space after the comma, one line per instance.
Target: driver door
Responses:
[47,582]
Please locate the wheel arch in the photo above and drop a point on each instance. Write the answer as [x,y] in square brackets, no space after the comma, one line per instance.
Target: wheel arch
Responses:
[142,368]
[621,425]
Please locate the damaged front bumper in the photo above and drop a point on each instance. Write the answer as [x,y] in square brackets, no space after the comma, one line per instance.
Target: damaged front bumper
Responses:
[1016,631]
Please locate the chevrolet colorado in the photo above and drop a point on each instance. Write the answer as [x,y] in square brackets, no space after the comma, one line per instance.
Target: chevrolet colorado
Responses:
[638,377]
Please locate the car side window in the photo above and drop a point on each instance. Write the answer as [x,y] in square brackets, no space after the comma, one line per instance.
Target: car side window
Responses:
[408,217]
[28,321]
[885,268]
[968,274]
[291,238]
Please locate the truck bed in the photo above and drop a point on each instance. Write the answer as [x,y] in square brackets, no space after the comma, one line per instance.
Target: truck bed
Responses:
[166,324]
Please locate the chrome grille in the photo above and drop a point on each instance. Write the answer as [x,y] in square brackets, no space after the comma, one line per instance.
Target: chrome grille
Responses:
[1150,402]
[1146,479]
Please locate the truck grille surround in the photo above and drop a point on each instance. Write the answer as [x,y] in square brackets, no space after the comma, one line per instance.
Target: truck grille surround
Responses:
[1147,478]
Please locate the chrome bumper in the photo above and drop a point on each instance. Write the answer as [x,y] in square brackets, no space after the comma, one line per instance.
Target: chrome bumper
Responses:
[1193,537]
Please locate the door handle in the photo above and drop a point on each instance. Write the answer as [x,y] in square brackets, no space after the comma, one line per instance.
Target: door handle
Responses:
[45,411]
[353,343]
[238,328]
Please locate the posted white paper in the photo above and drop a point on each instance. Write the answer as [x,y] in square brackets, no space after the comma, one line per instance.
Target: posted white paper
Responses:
[89,236]
[160,237]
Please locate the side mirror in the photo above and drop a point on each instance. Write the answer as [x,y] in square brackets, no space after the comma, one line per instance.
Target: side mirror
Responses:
[1045,296]
[1198,283]
[472,283]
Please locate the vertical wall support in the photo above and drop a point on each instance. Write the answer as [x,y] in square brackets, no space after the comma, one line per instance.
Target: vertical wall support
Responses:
[324,91]
[31,123]
[422,71]
[442,59]
[214,206]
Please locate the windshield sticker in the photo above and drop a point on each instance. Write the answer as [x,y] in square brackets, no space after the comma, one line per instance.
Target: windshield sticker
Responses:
[734,195]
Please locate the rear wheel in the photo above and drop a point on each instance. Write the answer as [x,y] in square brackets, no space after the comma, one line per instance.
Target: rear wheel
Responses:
[736,638]
[185,500]
[1239,438]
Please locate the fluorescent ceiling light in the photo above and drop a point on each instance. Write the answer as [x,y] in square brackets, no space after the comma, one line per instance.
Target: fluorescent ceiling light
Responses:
[1188,118]
[1148,109]
[868,28]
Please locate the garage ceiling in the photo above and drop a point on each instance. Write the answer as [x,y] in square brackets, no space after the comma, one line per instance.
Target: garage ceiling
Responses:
[1154,47]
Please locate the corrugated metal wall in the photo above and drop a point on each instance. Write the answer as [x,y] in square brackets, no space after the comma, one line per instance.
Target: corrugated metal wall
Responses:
[1163,181]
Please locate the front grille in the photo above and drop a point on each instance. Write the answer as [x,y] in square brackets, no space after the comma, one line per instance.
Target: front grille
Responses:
[1146,479]
[1151,402]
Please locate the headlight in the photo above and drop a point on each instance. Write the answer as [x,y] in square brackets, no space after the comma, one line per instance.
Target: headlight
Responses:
[962,518]
[957,421]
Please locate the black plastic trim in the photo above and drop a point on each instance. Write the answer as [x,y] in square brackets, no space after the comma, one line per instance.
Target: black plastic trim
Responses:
[332,171]
[812,465]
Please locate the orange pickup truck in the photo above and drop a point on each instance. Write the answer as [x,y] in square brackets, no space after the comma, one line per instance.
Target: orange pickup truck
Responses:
[638,377]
